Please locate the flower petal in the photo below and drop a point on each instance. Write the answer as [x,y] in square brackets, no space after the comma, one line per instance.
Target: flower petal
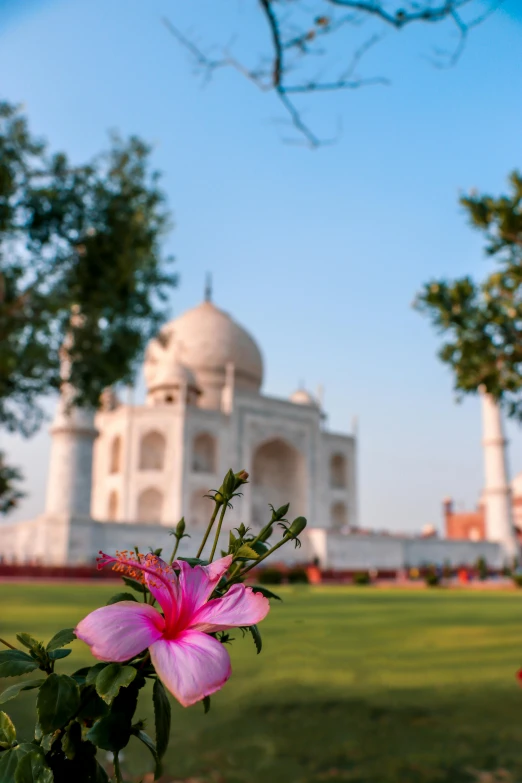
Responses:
[191,666]
[159,577]
[240,606]
[120,631]
[164,586]
[197,585]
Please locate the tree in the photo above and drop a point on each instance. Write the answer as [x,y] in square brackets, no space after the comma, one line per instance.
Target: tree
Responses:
[10,494]
[482,322]
[304,41]
[75,238]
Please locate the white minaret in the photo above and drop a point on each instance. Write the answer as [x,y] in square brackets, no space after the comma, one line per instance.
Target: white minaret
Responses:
[69,482]
[70,466]
[497,492]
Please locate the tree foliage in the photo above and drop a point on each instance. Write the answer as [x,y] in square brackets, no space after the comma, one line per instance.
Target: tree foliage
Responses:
[84,239]
[316,46]
[481,322]
[10,493]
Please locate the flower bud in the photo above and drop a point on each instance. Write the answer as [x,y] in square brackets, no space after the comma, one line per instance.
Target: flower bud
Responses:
[297,527]
[180,528]
[229,485]
[279,513]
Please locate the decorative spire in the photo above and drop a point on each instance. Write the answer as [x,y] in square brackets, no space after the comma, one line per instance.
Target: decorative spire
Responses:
[208,287]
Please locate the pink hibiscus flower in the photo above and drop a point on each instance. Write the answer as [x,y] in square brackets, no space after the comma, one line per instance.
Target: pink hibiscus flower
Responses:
[190,663]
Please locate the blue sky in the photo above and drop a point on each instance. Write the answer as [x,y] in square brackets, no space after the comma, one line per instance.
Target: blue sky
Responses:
[318,253]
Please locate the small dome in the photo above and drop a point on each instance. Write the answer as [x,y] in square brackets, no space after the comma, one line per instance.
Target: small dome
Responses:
[173,375]
[207,341]
[302,397]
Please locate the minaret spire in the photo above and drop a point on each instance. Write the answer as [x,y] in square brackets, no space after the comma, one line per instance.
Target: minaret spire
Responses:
[497,492]
[208,287]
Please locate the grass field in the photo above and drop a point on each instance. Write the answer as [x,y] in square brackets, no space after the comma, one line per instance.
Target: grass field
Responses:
[353,684]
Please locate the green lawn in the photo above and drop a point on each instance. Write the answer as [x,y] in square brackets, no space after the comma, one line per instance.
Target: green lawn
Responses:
[353,684]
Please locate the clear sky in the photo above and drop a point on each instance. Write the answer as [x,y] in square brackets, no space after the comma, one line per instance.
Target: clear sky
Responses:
[318,253]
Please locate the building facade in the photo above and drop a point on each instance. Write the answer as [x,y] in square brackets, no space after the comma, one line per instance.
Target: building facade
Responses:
[127,474]
[124,476]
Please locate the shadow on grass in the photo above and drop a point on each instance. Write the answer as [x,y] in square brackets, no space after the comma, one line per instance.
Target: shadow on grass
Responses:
[391,738]
[297,735]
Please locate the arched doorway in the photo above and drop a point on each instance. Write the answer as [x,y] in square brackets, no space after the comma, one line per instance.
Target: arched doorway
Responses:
[338,471]
[112,506]
[204,453]
[278,477]
[339,516]
[150,506]
[115,455]
[152,451]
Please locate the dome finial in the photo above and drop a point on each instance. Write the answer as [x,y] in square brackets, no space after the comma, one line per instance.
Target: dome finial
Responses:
[208,287]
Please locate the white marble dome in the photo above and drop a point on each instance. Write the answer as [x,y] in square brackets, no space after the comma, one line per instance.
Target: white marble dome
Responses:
[302,397]
[206,341]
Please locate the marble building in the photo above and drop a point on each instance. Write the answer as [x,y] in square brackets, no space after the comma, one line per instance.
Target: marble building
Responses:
[125,475]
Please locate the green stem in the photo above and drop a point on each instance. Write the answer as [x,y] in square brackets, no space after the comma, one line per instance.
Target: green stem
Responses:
[209,528]
[256,562]
[261,532]
[173,555]
[117,769]
[3,641]
[218,531]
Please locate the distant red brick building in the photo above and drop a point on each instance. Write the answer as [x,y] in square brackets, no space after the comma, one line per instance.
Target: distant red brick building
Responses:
[471,525]
[464,524]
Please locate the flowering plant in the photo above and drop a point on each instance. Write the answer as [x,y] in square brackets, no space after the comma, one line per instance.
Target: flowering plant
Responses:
[174,637]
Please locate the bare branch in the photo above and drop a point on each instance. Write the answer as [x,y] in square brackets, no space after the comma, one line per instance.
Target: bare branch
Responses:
[292,47]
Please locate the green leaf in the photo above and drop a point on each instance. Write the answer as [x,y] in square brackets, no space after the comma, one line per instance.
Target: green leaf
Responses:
[112,732]
[112,678]
[33,768]
[10,759]
[16,662]
[246,551]
[14,690]
[80,675]
[265,592]
[27,640]
[58,701]
[61,638]
[93,672]
[206,704]
[72,739]
[54,655]
[7,731]
[8,764]
[259,548]
[161,717]
[92,706]
[120,597]
[134,584]
[256,636]
[193,561]
[232,540]
[143,737]
[47,741]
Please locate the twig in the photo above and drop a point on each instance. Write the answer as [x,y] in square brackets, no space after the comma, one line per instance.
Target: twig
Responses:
[285,42]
